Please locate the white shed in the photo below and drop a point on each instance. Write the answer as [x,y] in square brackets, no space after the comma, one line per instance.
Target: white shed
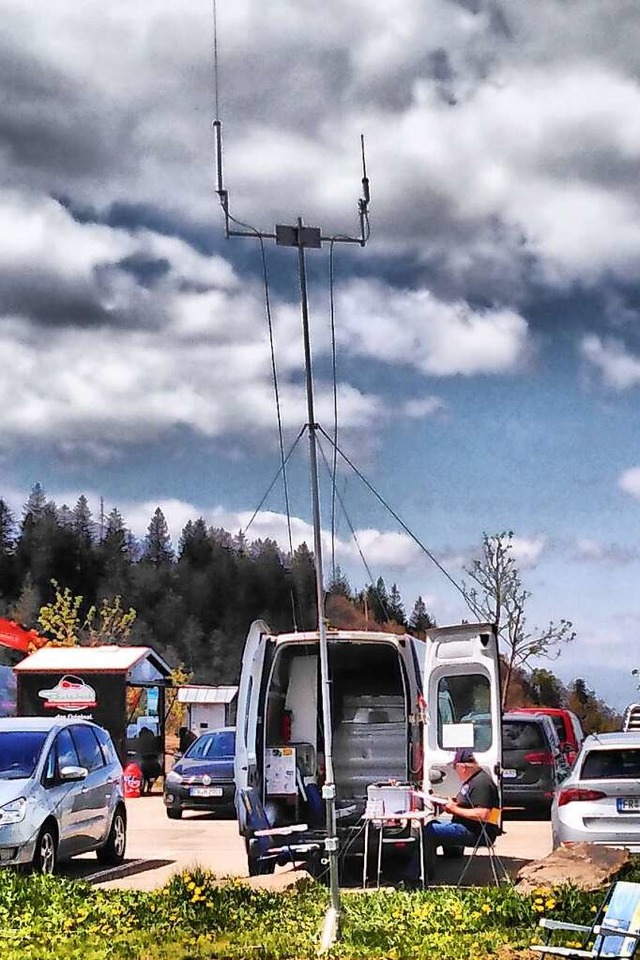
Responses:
[208,708]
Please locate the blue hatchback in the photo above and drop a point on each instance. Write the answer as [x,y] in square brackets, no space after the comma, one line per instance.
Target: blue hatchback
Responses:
[203,777]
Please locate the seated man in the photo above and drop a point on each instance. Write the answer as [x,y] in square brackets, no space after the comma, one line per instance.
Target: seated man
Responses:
[475,804]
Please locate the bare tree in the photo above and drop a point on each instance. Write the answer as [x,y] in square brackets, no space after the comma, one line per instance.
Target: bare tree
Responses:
[498,596]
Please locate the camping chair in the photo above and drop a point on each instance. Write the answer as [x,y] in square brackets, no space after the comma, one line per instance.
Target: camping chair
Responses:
[487,842]
[270,846]
[614,934]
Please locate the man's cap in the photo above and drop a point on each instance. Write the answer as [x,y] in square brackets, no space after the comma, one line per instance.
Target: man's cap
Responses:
[463,755]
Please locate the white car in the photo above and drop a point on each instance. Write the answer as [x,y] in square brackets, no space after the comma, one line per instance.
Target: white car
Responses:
[599,802]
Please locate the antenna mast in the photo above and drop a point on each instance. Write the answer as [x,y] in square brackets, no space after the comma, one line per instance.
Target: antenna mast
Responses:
[302,237]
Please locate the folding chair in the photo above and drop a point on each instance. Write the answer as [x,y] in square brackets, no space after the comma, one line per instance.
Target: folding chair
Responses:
[487,841]
[614,934]
[269,846]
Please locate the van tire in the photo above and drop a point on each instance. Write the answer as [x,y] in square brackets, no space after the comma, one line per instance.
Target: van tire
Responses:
[174,814]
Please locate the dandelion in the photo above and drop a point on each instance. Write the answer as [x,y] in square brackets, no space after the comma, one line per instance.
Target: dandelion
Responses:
[550,904]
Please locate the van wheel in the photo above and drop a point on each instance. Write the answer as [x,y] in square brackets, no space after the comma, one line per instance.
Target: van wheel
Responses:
[46,856]
[112,853]
[174,814]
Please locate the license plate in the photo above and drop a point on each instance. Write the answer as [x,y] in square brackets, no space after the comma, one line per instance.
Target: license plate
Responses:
[628,804]
[206,791]
[509,774]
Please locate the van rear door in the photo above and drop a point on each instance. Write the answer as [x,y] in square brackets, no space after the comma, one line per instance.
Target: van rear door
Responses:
[251,675]
[462,693]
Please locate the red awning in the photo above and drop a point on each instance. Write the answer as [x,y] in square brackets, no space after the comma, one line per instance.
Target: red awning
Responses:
[17,638]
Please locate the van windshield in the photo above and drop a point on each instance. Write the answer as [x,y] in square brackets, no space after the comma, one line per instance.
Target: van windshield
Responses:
[213,746]
[19,753]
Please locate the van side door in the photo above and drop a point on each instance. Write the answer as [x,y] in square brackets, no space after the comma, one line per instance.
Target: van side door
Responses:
[462,692]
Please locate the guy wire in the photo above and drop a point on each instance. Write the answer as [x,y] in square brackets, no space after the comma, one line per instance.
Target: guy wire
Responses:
[472,606]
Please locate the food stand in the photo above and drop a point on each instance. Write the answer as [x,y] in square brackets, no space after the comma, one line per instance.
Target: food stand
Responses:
[120,688]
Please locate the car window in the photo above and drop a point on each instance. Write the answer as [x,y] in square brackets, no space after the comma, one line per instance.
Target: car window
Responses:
[522,735]
[88,748]
[19,753]
[577,729]
[613,764]
[552,735]
[558,723]
[465,699]
[106,743]
[213,746]
[67,755]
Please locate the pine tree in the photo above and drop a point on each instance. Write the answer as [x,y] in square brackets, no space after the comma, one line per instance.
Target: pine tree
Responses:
[195,547]
[420,620]
[378,601]
[7,529]
[303,572]
[157,545]
[34,508]
[338,584]
[395,606]
[83,521]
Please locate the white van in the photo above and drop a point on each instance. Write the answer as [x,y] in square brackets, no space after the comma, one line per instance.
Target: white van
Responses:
[382,686]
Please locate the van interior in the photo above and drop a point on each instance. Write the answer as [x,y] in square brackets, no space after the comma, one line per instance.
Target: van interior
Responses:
[370,716]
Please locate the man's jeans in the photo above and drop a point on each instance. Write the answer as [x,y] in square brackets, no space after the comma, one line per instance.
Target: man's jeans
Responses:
[443,833]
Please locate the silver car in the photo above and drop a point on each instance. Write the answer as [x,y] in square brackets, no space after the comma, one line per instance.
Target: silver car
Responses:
[61,793]
[599,802]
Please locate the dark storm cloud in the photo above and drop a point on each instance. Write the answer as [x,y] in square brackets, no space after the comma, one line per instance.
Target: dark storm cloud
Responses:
[52,124]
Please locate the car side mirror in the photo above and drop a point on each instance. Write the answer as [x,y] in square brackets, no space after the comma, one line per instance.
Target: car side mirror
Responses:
[72,774]
[436,775]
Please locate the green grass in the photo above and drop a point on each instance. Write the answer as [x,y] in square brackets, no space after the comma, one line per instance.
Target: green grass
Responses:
[193,917]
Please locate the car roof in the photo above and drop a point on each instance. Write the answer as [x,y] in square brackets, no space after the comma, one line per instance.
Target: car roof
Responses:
[549,711]
[38,724]
[525,717]
[218,730]
[620,738]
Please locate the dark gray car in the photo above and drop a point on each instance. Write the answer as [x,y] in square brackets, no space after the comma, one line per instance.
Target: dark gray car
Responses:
[533,763]
[61,792]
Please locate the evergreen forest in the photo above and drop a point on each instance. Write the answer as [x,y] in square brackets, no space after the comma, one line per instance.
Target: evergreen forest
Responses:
[194,602]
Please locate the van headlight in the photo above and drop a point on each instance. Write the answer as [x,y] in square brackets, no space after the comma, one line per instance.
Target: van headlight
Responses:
[13,812]
[173,777]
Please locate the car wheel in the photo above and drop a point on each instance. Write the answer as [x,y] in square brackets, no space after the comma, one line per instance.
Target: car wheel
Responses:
[174,814]
[46,854]
[112,852]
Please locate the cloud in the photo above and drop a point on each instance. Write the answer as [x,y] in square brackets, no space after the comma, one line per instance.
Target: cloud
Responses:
[421,407]
[605,554]
[620,370]
[629,482]
[413,328]
[528,551]
[502,141]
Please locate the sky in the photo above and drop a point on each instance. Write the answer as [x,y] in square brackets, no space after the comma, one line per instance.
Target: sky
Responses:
[487,336]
